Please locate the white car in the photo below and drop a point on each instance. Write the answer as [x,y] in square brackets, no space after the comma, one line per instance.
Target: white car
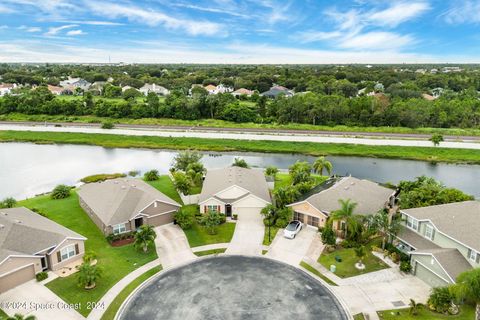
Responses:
[292,229]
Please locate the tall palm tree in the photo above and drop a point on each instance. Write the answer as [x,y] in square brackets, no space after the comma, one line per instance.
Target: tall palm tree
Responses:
[468,287]
[322,163]
[88,275]
[345,213]
[144,237]
[385,226]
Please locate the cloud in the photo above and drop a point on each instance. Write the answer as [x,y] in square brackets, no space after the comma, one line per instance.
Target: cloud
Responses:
[55,30]
[398,13]
[463,12]
[213,10]
[376,41]
[153,18]
[3,27]
[93,22]
[75,33]
[33,29]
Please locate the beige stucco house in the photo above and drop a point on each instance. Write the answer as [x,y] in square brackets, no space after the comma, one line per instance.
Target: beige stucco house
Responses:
[443,240]
[30,243]
[124,204]
[234,190]
[316,206]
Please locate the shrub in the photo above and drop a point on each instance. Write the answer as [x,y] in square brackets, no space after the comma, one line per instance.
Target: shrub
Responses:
[405,266]
[107,125]
[440,299]
[395,257]
[133,173]
[239,162]
[8,203]
[348,244]
[151,175]
[60,192]
[328,236]
[184,219]
[40,212]
[235,217]
[102,177]
[89,256]
[281,222]
[41,276]
[211,220]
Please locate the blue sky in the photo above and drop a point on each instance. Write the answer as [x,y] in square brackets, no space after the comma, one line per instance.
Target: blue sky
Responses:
[240,31]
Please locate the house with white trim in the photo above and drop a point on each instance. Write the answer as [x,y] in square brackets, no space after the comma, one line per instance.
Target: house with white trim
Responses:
[124,204]
[155,88]
[234,191]
[443,240]
[31,243]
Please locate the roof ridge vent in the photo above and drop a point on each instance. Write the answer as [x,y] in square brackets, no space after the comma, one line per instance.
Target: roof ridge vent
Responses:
[18,221]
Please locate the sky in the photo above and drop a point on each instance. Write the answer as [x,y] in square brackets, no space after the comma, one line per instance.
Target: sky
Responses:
[240,31]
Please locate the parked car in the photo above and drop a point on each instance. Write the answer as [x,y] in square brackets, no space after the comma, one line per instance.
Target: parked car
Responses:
[292,229]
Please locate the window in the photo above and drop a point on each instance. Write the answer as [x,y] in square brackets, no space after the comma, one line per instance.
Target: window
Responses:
[412,223]
[67,252]
[429,232]
[119,228]
[472,255]
[212,208]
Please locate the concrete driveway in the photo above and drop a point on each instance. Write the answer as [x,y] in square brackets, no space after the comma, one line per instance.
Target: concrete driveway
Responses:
[292,251]
[248,236]
[33,298]
[172,246]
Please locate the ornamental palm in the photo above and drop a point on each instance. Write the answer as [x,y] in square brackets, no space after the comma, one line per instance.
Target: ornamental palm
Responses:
[144,237]
[345,213]
[386,225]
[88,275]
[468,287]
[322,163]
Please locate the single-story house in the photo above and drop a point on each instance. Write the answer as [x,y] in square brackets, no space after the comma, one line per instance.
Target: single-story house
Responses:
[73,83]
[55,90]
[30,243]
[316,206]
[155,88]
[234,190]
[124,204]
[6,88]
[442,240]
[276,91]
[242,92]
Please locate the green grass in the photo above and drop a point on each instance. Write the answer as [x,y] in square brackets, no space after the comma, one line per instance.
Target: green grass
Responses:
[123,295]
[226,124]
[273,233]
[115,262]
[209,252]
[196,190]
[264,252]
[467,312]
[317,273]
[165,185]
[346,268]
[358,316]
[102,177]
[225,145]
[3,314]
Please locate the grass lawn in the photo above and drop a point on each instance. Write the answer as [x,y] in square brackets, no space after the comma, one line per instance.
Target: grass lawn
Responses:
[346,268]
[273,233]
[198,236]
[165,185]
[209,252]
[358,316]
[123,295]
[115,262]
[317,273]
[467,312]
[221,145]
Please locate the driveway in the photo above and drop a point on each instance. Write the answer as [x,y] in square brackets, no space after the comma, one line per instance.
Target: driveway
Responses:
[292,251]
[34,298]
[248,236]
[172,246]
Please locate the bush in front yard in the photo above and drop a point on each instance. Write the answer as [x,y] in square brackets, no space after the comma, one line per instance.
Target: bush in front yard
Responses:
[184,219]
[60,192]
[151,175]
[211,220]
[440,299]
[405,266]
[41,276]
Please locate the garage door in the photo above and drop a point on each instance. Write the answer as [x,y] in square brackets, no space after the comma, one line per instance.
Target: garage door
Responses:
[161,219]
[428,277]
[16,278]
[247,211]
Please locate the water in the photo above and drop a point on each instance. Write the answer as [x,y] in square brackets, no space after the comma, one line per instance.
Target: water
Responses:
[29,169]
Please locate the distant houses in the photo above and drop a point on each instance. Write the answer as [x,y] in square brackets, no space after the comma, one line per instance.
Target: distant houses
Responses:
[6,88]
[71,84]
[55,90]
[212,89]
[155,88]
[243,92]
[277,91]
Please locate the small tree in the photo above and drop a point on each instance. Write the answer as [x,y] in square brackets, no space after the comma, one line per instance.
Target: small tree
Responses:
[360,252]
[8,203]
[328,235]
[107,125]
[60,192]
[345,213]
[89,257]
[182,182]
[468,287]
[239,162]
[183,159]
[322,163]
[184,219]
[440,299]
[211,219]
[151,175]
[144,237]
[436,139]
[271,171]
[88,275]
[414,307]
[269,213]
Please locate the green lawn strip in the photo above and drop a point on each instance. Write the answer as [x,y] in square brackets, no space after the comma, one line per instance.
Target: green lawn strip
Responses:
[226,124]
[346,268]
[224,145]
[264,252]
[3,315]
[165,185]
[123,295]
[317,273]
[102,177]
[116,262]
[358,316]
[467,312]
[209,252]
[198,236]
[273,233]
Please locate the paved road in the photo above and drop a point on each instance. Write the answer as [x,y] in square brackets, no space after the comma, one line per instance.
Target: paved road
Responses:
[327,133]
[246,136]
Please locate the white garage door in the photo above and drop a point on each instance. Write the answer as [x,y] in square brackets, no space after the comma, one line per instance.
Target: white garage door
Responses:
[254,211]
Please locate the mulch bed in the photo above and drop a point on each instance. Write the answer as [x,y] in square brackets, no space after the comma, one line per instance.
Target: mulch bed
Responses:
[122,242]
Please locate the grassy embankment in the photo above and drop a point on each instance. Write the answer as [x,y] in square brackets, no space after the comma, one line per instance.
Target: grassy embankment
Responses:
[227,124]
[226,145]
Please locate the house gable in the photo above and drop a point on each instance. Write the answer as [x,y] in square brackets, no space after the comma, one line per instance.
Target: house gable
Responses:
[233,192]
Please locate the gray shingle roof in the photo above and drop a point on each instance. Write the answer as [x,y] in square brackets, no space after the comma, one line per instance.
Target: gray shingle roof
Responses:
[460,220]
[451,260]
[415,240]
[252,180]
[369,196]
[118,200]
[25,232]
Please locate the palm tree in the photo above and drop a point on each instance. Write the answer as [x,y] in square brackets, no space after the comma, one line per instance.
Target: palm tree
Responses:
[345,213]
[88,275]
[468,287]
[414,307]
[385,225]
[19,316]
[322,163]
[360,253]
[144,237]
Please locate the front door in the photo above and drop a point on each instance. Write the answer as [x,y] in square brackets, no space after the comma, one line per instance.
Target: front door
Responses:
[44,263]
[228,210]
[138,223]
